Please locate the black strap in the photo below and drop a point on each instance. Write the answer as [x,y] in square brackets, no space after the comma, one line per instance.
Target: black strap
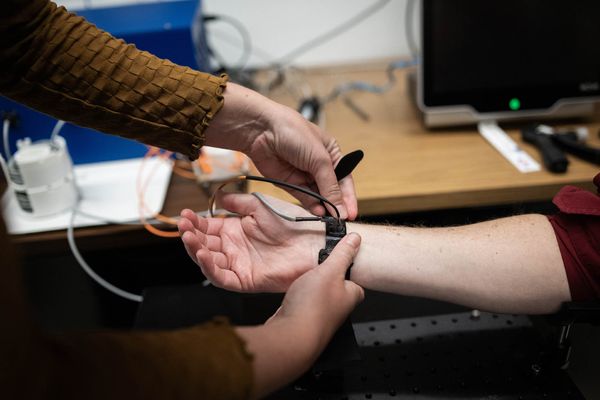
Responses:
[335,230]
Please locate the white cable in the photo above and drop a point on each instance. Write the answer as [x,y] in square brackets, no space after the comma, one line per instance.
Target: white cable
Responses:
[59,125]
[106,220]
[409,30]
[85,266]
[88,270]
[5,128]
[4,167]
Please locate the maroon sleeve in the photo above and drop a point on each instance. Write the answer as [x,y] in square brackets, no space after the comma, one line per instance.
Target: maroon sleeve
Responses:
[577,228]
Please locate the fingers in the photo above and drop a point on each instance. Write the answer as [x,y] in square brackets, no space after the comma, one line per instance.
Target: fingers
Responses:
[205,250]
[349,195]
[215,269]
[356,290]
[340,260]
[243,204]
[209,226]
[328,184]
[342,255]
[189,215]
[191,244]
[194,233]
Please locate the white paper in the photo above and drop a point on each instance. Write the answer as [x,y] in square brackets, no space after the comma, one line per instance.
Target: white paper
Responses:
[108,191]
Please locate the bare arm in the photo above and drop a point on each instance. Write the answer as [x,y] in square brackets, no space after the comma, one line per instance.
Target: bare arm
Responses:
[506,265]
[313,308]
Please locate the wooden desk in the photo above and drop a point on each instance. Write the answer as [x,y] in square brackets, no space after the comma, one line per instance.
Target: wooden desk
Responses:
[407,168]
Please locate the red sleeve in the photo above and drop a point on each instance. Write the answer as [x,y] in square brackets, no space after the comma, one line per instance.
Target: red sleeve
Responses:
[577,229]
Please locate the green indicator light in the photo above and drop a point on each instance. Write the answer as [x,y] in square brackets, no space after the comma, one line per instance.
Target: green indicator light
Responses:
[514,104]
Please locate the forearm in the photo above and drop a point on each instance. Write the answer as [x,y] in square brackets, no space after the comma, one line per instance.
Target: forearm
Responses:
[282,350]
[506,265]
[243,118]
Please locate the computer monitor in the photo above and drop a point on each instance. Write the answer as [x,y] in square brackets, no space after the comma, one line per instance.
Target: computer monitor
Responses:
[508,59]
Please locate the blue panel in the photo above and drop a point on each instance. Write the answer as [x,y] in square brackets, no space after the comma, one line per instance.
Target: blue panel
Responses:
[142,18]
[85,145]
[160,28]
[163,29]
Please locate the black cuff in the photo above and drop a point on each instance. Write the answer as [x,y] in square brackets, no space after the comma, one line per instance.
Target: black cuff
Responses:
[335,230]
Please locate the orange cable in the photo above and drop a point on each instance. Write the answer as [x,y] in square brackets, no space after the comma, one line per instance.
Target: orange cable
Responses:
[184,173]
[141,188]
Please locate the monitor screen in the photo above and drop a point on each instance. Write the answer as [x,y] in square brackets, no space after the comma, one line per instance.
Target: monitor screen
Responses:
[510,54]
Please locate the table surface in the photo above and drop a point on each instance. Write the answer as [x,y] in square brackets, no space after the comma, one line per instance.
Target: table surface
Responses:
[409,168]
[406,168]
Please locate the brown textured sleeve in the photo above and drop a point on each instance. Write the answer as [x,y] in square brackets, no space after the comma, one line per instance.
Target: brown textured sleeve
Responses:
[204,362]
[208,361]
[60,64]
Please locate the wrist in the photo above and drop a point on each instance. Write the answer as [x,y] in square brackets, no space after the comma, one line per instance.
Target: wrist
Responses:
[366,256]
[241,120]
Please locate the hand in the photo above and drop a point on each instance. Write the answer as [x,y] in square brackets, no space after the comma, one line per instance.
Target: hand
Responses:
[321,298]
[313,308]
[258,252]
[283,145]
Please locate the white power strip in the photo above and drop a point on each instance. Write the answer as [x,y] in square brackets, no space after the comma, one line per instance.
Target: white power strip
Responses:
[508,147]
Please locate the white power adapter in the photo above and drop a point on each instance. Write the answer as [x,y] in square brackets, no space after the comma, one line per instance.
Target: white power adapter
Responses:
[218,165]
[41,177]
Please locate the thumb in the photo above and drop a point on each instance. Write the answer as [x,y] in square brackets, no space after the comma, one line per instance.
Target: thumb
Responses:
[343,255]
[358,291]
[243,204]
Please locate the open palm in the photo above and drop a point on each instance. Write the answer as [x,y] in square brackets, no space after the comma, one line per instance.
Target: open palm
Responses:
[256,252]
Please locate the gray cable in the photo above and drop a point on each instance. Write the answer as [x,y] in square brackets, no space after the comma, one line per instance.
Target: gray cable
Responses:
[261,198]
[245,35]
[321,39]
[369,87]
[273,209]
[409,28]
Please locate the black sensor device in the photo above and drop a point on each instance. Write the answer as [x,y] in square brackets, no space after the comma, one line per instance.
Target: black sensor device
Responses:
[335,229]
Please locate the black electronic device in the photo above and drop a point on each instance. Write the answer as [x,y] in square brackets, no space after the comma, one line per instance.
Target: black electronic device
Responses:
[554,158]
[508,59]
[553,144]
[571,142]
[310,109]
[347,164]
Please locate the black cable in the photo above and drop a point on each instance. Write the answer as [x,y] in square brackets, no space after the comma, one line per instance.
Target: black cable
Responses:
[293,187]
[276,182]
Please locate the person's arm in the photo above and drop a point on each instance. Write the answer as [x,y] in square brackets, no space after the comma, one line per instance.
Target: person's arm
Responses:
[208,361]
[510,265]
[313,308]
[58,63]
